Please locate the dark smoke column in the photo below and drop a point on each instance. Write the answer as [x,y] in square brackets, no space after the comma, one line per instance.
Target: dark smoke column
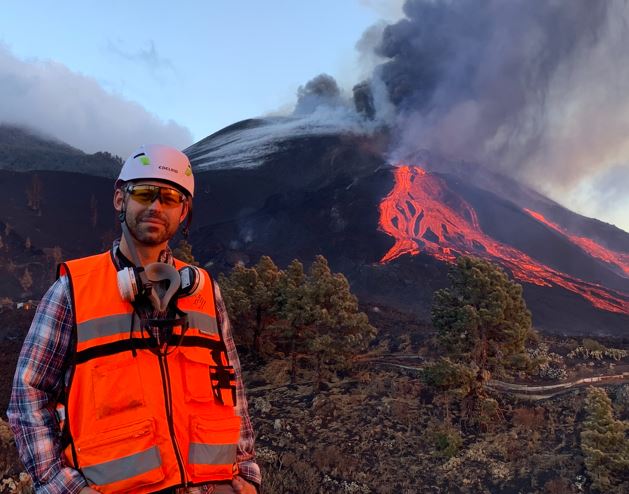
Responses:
[469,79]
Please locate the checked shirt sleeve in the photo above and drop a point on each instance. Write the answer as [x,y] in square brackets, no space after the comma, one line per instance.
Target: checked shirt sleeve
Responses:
[39,378]
[249,469]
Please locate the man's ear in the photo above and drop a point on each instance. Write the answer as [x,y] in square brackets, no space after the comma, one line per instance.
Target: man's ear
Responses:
[184,211]
[118,199]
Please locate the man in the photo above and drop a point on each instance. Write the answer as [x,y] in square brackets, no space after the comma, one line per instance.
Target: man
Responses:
[128,380]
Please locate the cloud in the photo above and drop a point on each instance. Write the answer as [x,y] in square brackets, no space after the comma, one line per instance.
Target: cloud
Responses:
[49,97]
[390,10]
[604,195]
[147,57]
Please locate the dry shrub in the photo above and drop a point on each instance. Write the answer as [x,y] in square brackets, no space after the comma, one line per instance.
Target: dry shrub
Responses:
[276,372]
[12,479]
[593,345]
[445,439]
[331,460]
[529,418]
[558,486]
[291,474]
[381,385]
[406,413]
[409,387]
[20,485]
[9,461]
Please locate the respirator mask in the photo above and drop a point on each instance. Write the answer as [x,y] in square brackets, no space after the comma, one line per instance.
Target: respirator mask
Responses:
[158,282]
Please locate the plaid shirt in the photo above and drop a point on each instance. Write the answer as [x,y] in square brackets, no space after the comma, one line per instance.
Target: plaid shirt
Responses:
[38,382]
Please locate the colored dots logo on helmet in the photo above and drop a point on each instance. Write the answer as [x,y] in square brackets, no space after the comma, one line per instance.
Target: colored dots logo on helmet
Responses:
[188,171]
[145,160]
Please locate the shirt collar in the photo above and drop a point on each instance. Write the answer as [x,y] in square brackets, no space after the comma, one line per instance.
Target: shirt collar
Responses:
[165,256]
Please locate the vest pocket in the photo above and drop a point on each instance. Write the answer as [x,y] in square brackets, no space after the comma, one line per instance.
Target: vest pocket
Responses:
[121,459]
[213,445]
[196,364]
[117,388]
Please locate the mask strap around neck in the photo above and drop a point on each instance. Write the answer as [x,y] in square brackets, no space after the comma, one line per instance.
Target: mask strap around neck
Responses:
[129,240]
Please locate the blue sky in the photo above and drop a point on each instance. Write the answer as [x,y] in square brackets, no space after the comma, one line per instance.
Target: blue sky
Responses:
[202,64]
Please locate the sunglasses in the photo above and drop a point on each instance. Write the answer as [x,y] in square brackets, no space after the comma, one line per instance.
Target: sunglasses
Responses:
[147,194]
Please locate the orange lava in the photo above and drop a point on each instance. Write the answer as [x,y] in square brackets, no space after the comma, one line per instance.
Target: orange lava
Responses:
[618,261]
[424,215]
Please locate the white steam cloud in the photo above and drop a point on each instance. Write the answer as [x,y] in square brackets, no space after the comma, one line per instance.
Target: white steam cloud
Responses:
[50,98]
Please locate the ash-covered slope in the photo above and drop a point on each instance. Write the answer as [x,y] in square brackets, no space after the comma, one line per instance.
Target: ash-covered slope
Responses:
[250,143]
[323,194]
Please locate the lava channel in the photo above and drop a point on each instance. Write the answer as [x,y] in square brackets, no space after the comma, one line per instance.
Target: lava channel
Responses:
[423,214]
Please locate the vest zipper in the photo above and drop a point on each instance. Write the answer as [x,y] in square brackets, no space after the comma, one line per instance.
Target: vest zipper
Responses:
[163,367]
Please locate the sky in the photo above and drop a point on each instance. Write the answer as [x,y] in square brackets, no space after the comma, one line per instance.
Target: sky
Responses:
[193,67]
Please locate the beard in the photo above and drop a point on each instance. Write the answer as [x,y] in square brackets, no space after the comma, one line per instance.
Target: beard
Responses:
[151,233]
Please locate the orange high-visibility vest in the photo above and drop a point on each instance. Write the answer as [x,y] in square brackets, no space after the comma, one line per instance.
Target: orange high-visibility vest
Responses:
[136,421]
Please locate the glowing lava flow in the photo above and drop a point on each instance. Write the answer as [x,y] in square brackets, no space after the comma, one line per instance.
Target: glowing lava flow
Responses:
[424,215]
[617,260]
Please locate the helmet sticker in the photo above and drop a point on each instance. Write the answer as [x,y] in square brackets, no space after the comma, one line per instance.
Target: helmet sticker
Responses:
[145,160]
[188,171]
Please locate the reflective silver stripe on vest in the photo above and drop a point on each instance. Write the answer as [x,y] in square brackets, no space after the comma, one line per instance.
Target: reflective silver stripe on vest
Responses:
[120,323]
[105,326]
[212,454]
[123,468]
[201,320]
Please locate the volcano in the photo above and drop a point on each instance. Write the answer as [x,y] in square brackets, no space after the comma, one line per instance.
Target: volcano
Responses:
[294,188]
[394,228]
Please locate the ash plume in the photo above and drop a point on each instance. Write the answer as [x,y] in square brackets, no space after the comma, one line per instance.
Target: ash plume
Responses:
[319,91]
[535,89]
[323,107]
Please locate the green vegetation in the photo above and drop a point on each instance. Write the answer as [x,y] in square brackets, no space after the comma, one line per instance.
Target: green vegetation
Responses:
[604,444]
[482,317]
[482,324]
[183,252]
[446,375]
[251,296]
[305,317]
[445,438]
[413,415]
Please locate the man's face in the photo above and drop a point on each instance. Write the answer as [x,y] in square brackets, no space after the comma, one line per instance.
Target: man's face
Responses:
[152,224]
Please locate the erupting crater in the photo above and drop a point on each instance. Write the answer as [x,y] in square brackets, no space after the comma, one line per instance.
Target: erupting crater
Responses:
[423,214]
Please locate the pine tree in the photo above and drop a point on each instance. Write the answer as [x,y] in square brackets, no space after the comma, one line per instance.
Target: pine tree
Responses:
[237,291]
[183,252]
[482,316]
[295,310]
[251,298]
[264,297]
[341,330]
[604,444]
[312,316]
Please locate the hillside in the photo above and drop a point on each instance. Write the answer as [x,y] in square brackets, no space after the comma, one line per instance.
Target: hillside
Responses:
[295,195]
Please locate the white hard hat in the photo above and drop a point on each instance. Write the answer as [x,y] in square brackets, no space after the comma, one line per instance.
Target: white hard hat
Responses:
[156,162]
